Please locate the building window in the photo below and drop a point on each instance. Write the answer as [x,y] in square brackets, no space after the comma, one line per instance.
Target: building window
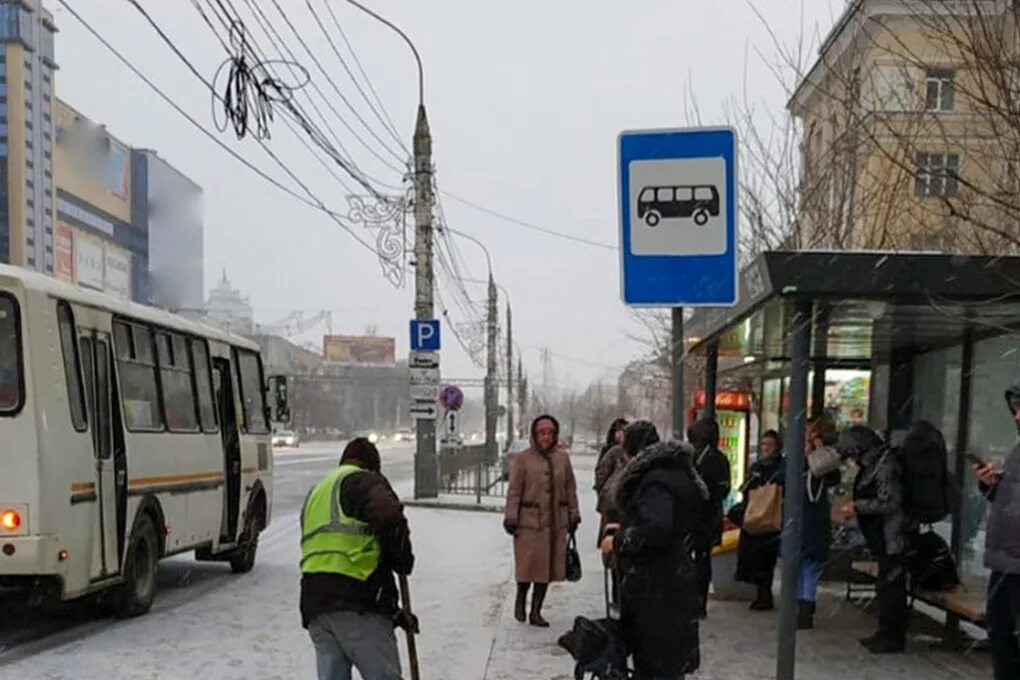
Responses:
[940,90]
[937,174]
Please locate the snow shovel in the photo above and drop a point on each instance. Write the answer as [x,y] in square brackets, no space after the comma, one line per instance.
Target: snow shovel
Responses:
[412,647]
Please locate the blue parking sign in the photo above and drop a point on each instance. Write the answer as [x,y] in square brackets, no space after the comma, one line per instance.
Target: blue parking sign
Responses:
[678,217]
[425,335]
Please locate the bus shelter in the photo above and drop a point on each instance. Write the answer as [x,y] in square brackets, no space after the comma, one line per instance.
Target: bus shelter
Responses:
[875,338]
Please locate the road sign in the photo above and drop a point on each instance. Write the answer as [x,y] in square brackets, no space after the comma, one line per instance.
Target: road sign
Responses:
[425,335]
[423,360]
[424,393]
[451,398]
[424,411]
[678,217]
[423,376]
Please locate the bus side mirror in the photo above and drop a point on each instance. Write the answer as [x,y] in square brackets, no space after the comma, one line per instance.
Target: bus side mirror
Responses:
[278,398]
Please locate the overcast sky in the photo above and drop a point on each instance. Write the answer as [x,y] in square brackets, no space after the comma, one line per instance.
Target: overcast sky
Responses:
[525,100]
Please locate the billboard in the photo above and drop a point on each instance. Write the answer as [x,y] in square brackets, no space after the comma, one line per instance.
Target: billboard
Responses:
[63,253]
[90,164]
[359,349]
[117,278]
[90,262]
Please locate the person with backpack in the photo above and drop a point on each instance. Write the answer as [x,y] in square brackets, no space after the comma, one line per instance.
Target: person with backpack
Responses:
[1001,486]
[887,527]
[662,501]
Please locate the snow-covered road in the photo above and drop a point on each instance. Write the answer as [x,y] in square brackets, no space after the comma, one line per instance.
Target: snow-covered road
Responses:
[208,623]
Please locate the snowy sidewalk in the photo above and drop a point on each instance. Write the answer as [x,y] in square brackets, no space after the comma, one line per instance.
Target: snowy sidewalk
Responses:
[735,643]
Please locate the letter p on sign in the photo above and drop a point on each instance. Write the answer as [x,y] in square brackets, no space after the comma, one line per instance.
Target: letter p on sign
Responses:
[425,335]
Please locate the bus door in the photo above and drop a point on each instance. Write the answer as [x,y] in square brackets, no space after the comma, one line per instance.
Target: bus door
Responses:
[223,386]
[96,365]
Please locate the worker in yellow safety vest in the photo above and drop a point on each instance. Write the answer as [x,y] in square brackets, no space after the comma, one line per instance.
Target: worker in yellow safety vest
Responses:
[354,538]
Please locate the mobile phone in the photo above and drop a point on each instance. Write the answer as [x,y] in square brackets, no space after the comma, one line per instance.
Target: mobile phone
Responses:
[974,459]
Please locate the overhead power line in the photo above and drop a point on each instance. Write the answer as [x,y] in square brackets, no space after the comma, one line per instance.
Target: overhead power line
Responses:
[311,200]
[528,225]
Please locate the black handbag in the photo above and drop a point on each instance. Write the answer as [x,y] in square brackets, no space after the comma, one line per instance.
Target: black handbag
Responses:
[573,560]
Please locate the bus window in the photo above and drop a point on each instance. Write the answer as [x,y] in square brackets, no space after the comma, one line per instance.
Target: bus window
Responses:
[704,193]
[10,357]
[177,381]
[252,393]
[684,194]
[72,370]
[664,195]
[203,385]
[137,369]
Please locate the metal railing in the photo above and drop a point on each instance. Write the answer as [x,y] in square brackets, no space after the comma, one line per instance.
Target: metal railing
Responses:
[471,470]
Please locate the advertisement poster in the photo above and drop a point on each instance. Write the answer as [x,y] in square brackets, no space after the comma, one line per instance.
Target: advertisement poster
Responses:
[63,253]
[118,273]
[90,263]
[356,349]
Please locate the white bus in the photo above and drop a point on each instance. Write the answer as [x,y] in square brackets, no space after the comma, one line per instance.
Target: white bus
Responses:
[127,434]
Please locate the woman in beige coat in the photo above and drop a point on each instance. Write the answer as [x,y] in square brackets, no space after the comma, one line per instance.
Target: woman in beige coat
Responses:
[541,513]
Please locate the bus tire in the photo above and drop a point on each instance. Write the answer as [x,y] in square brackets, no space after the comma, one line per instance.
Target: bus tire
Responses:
[141,569]
[242,560]
[701,218]
[652,218]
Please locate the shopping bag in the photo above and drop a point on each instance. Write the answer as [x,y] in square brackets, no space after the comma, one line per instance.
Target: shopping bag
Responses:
[764,513]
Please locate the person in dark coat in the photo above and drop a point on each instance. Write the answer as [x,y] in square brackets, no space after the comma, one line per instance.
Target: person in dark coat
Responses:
[714,468]
[1001,485]
[816,529]
[887,528]
[661,497]
[611,460]
[757,554]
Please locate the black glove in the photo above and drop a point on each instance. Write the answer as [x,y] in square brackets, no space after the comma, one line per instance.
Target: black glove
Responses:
[406,620]
[510,527]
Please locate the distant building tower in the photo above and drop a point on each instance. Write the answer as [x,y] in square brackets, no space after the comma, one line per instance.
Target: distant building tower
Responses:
[228,309]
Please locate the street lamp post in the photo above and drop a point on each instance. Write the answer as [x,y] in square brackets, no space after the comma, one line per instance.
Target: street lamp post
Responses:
[426,469]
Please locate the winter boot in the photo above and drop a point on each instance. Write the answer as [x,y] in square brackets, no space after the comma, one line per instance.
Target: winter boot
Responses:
[805,615]
[884,645]
[763,602]
[521,605]
[537,599]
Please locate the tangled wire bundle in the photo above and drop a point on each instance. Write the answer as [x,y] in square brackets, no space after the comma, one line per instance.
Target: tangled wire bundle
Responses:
[250,92]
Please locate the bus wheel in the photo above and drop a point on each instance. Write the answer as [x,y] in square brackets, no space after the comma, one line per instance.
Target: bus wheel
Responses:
[701,218]
[651,218]
[140,571]
[243,560]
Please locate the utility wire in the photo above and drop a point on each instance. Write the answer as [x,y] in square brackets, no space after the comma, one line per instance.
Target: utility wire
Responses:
[361,69]
[386,123]
[314,202]
[529,225]
[329,79]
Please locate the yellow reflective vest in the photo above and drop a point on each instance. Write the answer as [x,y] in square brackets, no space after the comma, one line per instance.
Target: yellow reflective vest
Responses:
[332,542]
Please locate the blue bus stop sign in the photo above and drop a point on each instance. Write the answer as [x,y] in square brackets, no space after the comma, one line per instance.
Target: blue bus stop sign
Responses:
[678,217]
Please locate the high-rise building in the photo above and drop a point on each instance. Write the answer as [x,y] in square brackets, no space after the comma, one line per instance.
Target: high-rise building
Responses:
[27,200]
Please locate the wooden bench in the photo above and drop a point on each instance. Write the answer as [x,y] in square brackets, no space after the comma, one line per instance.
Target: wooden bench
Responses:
[962,601]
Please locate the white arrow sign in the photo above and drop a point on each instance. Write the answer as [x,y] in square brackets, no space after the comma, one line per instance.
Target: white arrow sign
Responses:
[424,411]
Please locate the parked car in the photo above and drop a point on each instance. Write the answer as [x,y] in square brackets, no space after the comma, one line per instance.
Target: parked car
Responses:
[285,439]
[516,447]
[451,441]
[404,434]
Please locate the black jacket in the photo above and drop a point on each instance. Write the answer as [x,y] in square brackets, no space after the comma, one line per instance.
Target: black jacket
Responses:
[660,497]
[368,497]
[714,468]
[757,553]
[878,498]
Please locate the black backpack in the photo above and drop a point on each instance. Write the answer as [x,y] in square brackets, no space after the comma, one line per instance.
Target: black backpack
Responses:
[933,566]
[927,490]
[598,648]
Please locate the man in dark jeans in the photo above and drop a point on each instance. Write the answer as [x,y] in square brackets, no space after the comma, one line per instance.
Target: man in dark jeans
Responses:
[714,468]
[1001,485]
